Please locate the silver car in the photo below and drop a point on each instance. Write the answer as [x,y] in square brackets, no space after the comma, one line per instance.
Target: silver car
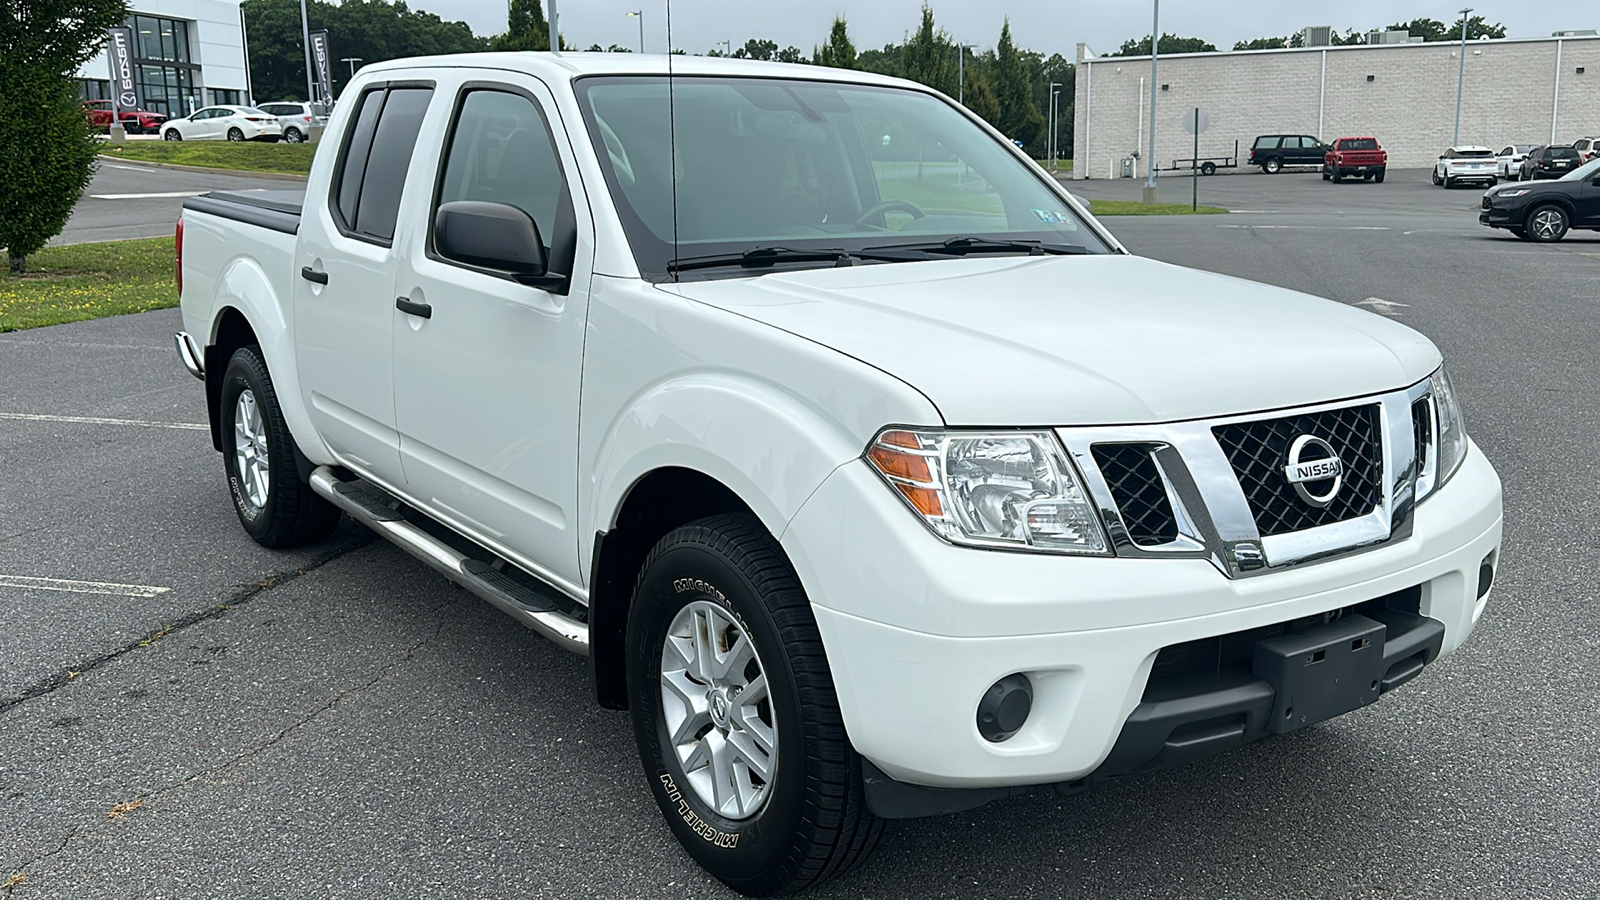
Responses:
[295,117]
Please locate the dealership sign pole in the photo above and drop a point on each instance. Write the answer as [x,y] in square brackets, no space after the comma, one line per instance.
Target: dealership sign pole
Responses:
[305,37]
[323,61]
[124,89]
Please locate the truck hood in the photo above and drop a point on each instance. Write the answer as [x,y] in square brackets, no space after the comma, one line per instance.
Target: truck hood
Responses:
[1083,340]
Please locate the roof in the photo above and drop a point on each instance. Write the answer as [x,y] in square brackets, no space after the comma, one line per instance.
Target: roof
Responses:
[568,65]
[1472,148]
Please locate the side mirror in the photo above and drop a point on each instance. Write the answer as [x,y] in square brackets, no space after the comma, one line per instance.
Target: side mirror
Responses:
[495,236]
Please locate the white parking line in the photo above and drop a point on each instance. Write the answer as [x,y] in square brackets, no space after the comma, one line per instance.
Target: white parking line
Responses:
[1381,306]
[1316,227]
[94,420]
[82,587]
[155,196]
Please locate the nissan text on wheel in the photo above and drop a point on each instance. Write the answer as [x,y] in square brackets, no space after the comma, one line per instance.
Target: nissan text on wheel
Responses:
[875,477]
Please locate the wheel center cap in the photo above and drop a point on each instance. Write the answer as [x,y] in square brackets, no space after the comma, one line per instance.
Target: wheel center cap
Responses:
[719,706]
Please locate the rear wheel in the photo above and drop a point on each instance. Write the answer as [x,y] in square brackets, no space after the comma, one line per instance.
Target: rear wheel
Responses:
[275,507]
[1377,177]
[1548,224]
[235,135]
[1272,166]
[735,714]
[293,135]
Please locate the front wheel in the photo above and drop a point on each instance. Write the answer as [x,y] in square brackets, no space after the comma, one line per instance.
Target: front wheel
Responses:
[235,135]
[171,134]
[735,714]
[275,507]
[1548,224]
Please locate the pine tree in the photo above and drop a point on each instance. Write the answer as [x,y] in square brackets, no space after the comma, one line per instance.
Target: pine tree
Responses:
[839,51]
[928,56]
[526,28]
[979,96]
[1020,118]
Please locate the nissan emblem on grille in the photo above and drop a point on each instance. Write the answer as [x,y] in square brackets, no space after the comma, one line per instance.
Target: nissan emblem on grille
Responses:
[1324,465]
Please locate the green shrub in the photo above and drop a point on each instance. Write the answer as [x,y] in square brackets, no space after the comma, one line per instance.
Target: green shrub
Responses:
[48,159]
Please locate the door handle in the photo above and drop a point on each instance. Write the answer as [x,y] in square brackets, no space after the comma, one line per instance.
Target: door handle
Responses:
[311,274]
[420,310]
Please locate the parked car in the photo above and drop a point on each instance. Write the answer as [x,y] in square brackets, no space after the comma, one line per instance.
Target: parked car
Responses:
[1464,165]
[1274,151]
[1549,162]
[1545,211]
[224,123]
[1358,157]
[1508,162]
[1588,148]
[867,496]
[134,121]
[295,117]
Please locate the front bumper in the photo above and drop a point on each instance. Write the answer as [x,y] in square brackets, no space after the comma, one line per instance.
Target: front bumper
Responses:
[917,630]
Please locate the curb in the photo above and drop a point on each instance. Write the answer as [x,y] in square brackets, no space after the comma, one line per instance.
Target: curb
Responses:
[209,170]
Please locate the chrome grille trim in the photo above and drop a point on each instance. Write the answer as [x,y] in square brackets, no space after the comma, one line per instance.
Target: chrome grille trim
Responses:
[1214,520]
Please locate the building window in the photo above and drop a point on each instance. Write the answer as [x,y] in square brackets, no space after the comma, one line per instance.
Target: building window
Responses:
[94,89]
[221,97]
[163,67]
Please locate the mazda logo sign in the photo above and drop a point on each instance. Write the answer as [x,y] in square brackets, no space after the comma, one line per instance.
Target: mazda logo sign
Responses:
[1311,460]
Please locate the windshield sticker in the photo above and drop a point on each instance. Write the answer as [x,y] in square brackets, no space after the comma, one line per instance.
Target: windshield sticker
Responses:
[1054,217]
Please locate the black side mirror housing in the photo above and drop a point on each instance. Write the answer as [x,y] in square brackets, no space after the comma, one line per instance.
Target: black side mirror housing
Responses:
[495,236]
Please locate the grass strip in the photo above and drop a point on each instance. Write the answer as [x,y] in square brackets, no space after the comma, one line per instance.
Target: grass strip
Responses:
[285,159]
[88,281]
[1135,208]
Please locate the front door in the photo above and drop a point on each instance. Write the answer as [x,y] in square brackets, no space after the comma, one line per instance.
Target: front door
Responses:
[1588,203]
[486,386]
[343,276]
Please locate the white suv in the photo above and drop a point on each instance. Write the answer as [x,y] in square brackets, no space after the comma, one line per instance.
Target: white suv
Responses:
[296,117]
[1588,148]
[1464,164]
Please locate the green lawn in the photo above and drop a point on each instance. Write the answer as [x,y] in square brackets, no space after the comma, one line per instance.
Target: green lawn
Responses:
[1135,208]
[290,159]
[88,281]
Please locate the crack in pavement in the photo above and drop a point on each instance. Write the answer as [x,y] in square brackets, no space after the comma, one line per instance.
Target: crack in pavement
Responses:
[252,752]
[240,597]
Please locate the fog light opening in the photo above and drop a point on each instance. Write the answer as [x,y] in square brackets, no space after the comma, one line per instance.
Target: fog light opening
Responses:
[1005,707]
[1485,576]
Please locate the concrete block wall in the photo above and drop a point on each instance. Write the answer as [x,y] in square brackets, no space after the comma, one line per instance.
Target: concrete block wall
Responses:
[1508,97]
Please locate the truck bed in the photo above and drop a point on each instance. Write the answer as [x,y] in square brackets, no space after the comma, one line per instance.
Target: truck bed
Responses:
[277,210]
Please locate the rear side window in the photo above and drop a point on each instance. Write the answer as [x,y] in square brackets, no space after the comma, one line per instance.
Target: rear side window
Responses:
[1264,143]
[377,154]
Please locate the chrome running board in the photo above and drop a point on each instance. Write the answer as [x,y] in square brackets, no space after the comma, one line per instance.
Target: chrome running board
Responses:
[378,510]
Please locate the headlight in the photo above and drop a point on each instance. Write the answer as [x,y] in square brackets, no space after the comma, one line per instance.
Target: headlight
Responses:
[1012,490]
[1448,437]
[1514,192]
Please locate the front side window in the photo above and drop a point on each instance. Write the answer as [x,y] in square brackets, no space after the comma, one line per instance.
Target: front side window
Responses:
[734,165]
[502,151]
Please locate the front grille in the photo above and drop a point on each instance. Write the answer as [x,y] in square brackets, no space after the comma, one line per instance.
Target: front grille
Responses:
[1487,203]
[1141,497]
[1259,451]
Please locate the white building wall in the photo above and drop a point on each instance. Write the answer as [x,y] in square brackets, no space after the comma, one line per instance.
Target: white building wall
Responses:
[216,40]
[1409,105]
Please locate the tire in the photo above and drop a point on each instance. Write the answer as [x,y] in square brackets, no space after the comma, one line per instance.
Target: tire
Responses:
[1272,166]
[235,135]
[1377,177]
[1338,176]
[1548,224]
[1436,179]
[1326,175]
[1208,168]
[275,507]
[1493,182]
[293,136]
[171,134]
[810,821]
[1449,182]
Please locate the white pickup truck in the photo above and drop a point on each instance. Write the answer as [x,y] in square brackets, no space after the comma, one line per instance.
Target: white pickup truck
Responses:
[873,475]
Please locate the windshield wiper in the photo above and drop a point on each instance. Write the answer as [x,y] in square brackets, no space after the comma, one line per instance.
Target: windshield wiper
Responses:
[961,246]
[760,258]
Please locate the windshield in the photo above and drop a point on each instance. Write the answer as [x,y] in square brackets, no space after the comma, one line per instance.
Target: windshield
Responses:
[1587,170]
[786,165]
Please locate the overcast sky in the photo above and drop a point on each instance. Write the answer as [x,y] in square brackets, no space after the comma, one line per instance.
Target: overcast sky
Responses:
[1048,26]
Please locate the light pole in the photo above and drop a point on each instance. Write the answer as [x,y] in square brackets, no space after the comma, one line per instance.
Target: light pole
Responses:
[1150,154]
[555,30]
[727,47]
[1461,72]
[639,14]
[961,71]
[1055,119]
[305,35]
[352,60]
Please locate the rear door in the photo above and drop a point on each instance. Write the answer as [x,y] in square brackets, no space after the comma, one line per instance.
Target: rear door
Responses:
[343,279]
[486,387]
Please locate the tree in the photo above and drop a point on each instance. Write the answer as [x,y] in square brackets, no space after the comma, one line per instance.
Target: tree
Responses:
[1268,43]
[1170,43]
[757,49]
[928,56]
[49,149]
[1020,118]
[373,30]
[526,28]
[614,48]
[979,96]
[838,52]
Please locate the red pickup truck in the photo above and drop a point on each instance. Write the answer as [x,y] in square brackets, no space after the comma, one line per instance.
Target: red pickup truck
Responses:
[1355,156]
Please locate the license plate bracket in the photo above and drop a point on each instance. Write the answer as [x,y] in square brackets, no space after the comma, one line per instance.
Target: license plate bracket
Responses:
[1321,672]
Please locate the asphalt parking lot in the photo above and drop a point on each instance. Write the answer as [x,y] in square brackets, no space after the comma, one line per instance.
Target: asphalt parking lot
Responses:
[342,722]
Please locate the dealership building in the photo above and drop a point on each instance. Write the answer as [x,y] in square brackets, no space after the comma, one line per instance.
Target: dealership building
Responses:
[1514,91]
[185,54]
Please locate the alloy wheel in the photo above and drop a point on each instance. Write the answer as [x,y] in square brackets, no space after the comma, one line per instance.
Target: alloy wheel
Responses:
[717,710]
[250,451]
[1548,223]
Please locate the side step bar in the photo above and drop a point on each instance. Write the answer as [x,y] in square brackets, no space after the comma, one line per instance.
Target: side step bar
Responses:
[376,509]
